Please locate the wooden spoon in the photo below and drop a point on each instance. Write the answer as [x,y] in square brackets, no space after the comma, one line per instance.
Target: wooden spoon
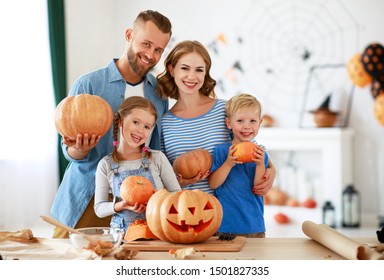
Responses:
[55,222]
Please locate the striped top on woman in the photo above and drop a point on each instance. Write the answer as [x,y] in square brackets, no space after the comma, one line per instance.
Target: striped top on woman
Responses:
[181,135]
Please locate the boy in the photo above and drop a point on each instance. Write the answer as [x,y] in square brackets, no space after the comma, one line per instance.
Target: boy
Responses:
[233,181]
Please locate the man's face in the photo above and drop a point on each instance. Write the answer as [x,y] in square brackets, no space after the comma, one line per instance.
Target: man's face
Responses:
[147,44]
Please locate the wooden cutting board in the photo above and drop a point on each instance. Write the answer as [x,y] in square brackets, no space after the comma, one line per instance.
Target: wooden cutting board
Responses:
[212,244]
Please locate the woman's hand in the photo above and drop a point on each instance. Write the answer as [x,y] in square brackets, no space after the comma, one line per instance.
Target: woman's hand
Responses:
[266,185]
[185,182]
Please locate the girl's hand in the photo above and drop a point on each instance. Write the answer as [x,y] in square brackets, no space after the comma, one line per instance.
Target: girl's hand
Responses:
[122,205]
[185,182]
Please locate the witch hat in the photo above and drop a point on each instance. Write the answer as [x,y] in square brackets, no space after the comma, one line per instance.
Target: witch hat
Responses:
[325,104]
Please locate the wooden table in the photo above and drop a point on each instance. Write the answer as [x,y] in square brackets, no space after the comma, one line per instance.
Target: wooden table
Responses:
[263,249]
[253,249]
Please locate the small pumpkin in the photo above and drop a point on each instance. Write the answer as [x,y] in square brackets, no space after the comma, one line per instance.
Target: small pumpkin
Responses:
[136,189]
[83,113]
[186,217]
[309,203]
[244,151]
[139,230]
[190,163]
[276,196]
[281,218]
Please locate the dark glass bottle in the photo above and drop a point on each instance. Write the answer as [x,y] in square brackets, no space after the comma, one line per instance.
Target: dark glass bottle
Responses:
[350,207]
[329,214]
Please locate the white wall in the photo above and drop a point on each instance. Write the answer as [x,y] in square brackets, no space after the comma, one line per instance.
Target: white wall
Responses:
[273,33]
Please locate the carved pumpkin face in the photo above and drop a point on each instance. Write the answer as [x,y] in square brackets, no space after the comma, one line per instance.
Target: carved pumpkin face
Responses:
[188,216]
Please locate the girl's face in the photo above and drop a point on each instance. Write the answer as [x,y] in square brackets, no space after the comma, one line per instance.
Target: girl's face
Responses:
[245,125]
[189,73]
[136,127]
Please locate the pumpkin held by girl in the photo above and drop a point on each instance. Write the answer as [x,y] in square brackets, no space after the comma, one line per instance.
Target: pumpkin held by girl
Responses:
[136,189]
[186,217]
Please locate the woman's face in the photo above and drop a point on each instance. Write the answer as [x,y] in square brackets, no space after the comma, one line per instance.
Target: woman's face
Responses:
[136,127]
[189,73]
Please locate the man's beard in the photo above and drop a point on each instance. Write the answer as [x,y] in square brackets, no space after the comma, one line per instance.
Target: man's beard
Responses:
[140,71]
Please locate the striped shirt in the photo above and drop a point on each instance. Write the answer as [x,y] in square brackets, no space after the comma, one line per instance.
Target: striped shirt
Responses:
[181,135]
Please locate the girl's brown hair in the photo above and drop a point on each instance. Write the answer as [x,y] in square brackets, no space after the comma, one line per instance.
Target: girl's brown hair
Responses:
[166,84]
[130,103]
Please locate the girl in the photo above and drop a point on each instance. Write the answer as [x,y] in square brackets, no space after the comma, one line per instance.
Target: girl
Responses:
[132,125]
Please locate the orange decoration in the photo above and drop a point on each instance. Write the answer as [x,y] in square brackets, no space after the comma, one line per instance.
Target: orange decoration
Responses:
[276,196]
[357,73]
[186,217]
[139,230]
[309,203]
[378,108]
[83,113]
[191,163]
[136,189]
[293,202]
[244,151]
[281,218]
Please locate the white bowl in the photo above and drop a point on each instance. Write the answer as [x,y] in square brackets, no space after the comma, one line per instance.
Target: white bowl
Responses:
[101,240]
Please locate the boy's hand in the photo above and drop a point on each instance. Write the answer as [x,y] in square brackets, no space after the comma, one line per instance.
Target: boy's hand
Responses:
[258,155]
[231,160]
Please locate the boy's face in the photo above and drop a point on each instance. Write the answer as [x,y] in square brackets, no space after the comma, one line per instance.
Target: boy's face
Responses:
[245,125]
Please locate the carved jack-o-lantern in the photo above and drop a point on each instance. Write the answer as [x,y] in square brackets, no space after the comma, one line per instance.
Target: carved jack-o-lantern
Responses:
[187,216]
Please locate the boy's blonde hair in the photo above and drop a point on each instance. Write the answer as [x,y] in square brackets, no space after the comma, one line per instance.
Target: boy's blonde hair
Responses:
[242,101]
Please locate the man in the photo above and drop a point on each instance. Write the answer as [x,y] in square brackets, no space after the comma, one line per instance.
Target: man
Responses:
[123,77]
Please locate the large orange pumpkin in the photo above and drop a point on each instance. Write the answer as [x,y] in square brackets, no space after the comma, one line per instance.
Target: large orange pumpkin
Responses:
[136,189]
[244,151]
[83,113]
[192,162]
[186,217]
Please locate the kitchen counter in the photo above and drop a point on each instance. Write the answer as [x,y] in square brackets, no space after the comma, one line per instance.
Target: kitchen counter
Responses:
[253,249]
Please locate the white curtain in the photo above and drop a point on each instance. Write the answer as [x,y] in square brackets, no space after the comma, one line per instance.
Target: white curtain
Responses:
[28,155]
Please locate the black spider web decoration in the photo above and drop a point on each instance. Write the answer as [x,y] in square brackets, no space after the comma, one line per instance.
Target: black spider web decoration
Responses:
[275,46]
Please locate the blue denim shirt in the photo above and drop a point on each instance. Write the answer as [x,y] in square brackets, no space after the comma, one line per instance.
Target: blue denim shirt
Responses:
[78,185]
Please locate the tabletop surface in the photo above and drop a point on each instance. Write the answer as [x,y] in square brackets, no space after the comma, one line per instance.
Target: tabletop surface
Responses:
[253,249]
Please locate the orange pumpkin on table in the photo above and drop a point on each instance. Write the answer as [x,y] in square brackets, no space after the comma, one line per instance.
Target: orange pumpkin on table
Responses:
[244,151]
[186,217]
[139,230]
[136,189]
[83,113]
[192,162]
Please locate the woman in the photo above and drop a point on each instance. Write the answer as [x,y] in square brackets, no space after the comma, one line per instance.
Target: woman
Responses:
[197,119]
